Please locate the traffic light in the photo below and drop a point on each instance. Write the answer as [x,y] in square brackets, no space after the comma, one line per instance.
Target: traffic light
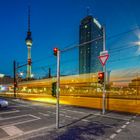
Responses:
[15,84]
[101,77]
[55,51]
[29,61]
[54,89]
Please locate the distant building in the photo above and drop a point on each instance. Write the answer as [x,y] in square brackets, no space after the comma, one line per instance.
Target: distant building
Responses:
[90,29]
[135,83]
[6,80]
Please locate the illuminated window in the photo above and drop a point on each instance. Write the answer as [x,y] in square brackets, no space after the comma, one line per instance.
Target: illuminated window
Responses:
[86,26]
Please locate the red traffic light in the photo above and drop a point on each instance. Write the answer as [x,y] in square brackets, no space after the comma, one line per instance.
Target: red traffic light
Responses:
[101,77]
[55,51]
[15,84]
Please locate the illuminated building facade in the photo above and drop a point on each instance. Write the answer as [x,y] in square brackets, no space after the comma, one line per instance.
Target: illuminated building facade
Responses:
[29,45]
[90,29]
[5,79]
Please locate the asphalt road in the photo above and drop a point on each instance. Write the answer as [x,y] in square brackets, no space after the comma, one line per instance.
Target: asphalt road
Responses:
[36,121]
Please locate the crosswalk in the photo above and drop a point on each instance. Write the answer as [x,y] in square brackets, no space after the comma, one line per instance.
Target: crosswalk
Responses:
[10,120]
[23,118]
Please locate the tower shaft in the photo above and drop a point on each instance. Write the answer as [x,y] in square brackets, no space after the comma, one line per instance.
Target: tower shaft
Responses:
[29,63]
[29,45]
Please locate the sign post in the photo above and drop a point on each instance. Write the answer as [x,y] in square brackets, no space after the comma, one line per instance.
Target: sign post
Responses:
[15,81]
[103,58]
[57,89]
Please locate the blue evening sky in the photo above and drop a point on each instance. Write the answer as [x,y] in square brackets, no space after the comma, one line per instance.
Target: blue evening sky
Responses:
[55,23]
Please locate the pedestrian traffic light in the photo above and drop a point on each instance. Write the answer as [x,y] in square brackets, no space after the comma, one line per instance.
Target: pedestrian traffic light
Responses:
[54,89]
[101,77]
[15,84]
[29,61]
[55,50]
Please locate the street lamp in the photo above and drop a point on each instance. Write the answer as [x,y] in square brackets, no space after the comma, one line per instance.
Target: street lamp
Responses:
[21,73]
[32,75]
[1,75]
[137,43]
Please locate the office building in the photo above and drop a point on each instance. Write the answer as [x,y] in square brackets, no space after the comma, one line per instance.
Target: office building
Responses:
[90,45]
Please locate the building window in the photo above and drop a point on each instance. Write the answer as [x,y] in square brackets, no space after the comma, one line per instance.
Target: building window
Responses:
[86,26]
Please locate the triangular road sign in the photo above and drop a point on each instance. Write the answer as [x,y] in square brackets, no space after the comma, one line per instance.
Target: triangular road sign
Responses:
[103,59]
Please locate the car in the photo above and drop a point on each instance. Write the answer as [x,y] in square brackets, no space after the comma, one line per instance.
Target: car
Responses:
[3,103]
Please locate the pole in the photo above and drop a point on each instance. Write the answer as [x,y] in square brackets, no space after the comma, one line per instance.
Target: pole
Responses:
[108,76]
[104,69]
[58,87]
[49,75]
[14,69]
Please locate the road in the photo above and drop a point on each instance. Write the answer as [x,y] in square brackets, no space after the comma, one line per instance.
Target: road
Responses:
[119,104]
[36,121]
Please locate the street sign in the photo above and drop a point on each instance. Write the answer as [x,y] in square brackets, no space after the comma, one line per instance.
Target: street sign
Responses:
[103,57]
[103,53]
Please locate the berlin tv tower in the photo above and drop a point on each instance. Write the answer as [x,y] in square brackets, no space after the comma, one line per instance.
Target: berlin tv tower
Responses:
[29,45]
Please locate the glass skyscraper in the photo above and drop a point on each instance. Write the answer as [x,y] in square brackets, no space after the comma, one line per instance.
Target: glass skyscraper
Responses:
[89,50]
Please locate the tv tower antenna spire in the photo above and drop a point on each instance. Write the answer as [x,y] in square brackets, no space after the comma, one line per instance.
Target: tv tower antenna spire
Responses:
[28,18]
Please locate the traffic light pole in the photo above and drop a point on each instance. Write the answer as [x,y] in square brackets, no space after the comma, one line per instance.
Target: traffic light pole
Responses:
[104,69]
[14,69]
[58,87]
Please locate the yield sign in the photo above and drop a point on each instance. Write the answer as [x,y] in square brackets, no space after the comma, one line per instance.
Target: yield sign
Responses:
[103,59]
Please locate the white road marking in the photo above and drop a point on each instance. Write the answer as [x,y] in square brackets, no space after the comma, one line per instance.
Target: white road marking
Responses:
[86,120]
[12,130]
[62,115]
[13,106]
[117,118]
[8,112]
[74,111]
[113,136]
[21,122]
[119,130]
[34,116]
[29,132]
[68,116]
[74,117]
[97,114]
[13,117]
[44,114]
[51,112]
[127,122]
[123,126]
[112,117]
